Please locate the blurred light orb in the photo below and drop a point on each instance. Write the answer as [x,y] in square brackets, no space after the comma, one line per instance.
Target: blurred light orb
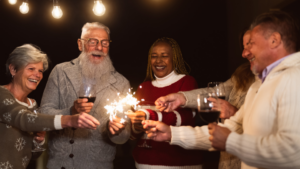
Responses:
[12,1]
[24,8]
[99,8]
[57,12]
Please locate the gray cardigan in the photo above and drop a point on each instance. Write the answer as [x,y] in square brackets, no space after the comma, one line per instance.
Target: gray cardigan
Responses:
[82,148]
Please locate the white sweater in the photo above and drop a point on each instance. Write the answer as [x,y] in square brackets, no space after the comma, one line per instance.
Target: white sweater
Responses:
[269,122]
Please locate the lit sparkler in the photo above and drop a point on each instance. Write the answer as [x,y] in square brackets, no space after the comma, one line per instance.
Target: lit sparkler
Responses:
[116,107]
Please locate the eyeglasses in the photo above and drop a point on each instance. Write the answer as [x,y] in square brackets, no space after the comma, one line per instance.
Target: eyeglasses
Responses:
[94,42]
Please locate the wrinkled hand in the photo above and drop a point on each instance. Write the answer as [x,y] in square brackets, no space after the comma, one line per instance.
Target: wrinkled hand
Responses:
[115,126]
[157,130]
[170,102]
[40,136]
[218,136]
[226,109]
[136,117]
[81,120]
[82,106]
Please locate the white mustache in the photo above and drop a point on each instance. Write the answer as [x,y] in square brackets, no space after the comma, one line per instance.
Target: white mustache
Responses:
[97,53]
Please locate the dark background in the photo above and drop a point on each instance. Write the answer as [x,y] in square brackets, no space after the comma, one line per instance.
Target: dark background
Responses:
[206,30]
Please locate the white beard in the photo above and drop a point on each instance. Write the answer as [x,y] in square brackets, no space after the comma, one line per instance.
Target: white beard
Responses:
[92,72]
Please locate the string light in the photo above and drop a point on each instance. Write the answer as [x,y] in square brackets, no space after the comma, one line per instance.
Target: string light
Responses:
[56,12]
[12,1]
[99,8]
[24,8]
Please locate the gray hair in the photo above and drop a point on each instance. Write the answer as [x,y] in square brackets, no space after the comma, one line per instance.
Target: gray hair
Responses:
[89,25]
[24,55]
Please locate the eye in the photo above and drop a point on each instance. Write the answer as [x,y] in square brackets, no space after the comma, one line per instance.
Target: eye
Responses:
[154,56]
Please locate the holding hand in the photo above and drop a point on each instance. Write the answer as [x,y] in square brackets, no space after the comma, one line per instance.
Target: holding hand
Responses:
[218,136]
[136,117]
[40,136]
[82,106]
[157,130]
[226,109]
[115,126]
[81,120]
[170,102]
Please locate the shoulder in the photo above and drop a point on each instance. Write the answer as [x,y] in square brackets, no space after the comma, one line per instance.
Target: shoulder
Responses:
[188,78]
[64,65]
[189,81]
[4,93]
[119,77]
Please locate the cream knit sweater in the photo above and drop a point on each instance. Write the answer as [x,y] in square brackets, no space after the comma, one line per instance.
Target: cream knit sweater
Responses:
[266,128]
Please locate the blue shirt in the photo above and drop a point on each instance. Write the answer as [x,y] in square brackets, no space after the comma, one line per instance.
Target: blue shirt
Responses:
[269,68]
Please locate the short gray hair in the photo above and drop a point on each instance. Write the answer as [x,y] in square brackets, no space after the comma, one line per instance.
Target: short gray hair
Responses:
[24,55]
[89,25]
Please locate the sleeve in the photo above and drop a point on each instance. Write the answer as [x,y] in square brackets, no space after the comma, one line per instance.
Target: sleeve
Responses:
[198,137]
[122,137]
[18,116]
[51,96]
[280,149]
[191,96]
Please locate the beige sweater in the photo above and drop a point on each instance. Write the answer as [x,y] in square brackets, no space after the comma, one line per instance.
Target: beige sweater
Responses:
[266,128]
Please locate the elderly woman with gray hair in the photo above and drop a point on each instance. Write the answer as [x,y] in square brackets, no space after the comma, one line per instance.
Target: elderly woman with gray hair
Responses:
[26,65]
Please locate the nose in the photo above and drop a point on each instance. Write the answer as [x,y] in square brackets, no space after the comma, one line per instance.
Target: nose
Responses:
[246,53]
[99,46]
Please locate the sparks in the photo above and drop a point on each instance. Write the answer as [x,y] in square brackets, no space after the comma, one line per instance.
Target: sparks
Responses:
[117,106]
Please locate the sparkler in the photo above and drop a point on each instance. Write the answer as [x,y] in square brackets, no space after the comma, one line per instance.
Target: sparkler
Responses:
[116,107]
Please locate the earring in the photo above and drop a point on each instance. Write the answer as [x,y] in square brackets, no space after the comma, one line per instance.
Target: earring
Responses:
[12,76]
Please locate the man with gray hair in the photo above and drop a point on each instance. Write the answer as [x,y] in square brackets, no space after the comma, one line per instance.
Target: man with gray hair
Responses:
[83,148]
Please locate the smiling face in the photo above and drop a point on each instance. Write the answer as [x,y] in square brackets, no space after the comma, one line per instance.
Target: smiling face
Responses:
[162,59]
[29,77]
[259,48]
[98,52]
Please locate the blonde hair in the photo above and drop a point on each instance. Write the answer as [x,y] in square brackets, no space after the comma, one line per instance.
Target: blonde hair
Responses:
[178,62]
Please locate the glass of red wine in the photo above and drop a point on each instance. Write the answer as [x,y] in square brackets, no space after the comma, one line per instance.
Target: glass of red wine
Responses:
[206,109]
[87,90]
[217,88]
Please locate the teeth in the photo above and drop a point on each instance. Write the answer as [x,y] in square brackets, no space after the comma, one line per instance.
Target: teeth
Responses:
[251,60]
[32,80]
[159,67]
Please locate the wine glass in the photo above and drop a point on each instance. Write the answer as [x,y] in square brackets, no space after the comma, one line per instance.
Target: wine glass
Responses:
[146,143]
[207,110]
[37,147]
[87,90]
[217,88]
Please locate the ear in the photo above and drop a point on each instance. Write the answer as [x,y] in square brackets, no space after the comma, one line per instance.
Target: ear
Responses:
[12,70]
[275,40]
[79,45]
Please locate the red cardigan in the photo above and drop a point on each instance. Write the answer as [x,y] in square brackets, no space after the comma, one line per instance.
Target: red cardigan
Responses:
[162,153]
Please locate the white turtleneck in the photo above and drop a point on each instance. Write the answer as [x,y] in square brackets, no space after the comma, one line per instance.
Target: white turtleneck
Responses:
[167,80]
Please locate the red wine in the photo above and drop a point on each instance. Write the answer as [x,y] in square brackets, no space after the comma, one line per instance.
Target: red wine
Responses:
[90,99]
[221,97]
[209,116]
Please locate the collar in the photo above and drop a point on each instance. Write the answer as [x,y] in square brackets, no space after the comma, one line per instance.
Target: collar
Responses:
[269,68]
[167,80]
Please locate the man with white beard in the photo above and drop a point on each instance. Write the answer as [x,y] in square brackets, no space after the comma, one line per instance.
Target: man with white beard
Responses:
[81,148]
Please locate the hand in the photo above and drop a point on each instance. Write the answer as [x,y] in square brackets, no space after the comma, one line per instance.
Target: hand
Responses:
[81,120]
[136,117]
[226,109]
[170,102]
[115,126]
[157,130]
[82,106]
[40,136]
[218,136]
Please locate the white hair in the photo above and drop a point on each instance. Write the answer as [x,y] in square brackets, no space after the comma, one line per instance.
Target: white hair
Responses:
[24,55]
[91,25]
